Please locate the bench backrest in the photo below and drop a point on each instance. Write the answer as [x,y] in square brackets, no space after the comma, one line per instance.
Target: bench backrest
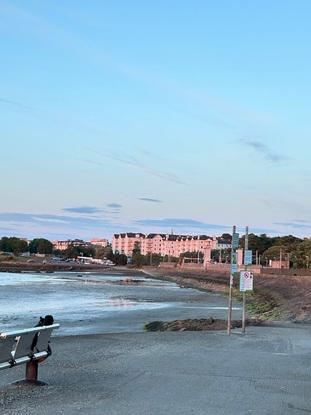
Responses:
[16,345]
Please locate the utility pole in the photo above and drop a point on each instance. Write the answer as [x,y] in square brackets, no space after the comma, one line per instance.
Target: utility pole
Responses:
[244,295]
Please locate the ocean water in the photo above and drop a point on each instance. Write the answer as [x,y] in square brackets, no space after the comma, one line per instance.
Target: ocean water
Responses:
[94,303]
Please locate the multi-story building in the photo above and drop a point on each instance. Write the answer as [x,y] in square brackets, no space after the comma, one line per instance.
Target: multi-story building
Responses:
[124,243]
[162,244]
[99,242]
[63,245]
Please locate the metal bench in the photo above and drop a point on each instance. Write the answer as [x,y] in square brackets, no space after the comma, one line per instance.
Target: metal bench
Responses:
[28,346]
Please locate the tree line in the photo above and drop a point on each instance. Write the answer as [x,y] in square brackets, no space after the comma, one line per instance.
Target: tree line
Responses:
[296,250]
[289,247]
[17,246]
[265,248]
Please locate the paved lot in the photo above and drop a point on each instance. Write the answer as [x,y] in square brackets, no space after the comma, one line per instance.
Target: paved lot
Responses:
[265,372]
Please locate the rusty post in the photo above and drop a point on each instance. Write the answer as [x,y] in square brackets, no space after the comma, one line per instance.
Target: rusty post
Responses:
[32,371]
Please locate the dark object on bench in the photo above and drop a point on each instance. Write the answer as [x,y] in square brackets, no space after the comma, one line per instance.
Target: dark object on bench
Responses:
[28,346]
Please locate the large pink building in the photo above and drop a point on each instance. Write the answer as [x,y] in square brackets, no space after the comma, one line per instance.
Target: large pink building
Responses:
[162,244]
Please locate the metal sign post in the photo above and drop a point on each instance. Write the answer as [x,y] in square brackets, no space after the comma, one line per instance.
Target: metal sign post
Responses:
[234,269]
[244,296]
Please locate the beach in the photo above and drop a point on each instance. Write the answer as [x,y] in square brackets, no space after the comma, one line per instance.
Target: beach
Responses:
[92,302]
[104,363]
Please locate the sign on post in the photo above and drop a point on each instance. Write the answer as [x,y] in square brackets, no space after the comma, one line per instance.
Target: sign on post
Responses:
[234,262]
[235,240]
[246,281]
[248,257]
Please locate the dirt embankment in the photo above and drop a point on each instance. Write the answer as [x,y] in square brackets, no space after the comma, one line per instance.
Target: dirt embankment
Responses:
[275,297]
[201,324]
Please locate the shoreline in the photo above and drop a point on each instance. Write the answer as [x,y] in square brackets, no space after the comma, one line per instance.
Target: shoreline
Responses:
[276,298]
[24,267]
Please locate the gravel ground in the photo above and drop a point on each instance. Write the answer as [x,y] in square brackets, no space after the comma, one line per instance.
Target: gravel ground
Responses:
[267,371]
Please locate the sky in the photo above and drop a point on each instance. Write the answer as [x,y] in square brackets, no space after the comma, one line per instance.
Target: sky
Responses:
[120,116]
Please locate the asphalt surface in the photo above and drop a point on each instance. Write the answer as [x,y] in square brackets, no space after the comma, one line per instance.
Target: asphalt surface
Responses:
[266,371]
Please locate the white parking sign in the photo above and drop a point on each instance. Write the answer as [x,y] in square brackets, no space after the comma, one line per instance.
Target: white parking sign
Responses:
[246,281]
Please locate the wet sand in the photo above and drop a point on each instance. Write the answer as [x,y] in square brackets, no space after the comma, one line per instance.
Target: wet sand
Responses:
[85,303]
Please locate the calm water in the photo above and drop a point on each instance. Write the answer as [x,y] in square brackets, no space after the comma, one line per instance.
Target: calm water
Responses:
[93,303]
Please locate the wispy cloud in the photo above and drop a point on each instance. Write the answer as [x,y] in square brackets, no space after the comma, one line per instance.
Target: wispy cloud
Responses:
[188,225]
[94,210]
[296,224]
[14,104]
[114,205]
[149,199]
[132,161]
[264,150]
[42,224]
[180,223]
[84,209]
[206,105]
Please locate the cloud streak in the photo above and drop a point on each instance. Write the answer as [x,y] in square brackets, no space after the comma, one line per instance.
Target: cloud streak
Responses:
[265,151]
[114,205]
[38,25]
[84,209]
[297,224]
[57,226]
[180,223]
[131,161]
[15,104]
[149,199]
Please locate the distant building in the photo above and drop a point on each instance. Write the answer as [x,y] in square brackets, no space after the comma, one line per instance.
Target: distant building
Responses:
[276,263]
[63,245]
[222,244]
[124,243]
[162,244]
[99,242]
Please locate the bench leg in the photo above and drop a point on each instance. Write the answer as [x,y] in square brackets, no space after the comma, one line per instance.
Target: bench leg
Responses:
[31,378]
[32,371]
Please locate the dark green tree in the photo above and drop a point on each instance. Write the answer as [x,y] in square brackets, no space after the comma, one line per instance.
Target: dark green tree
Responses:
[40,246]
[73,251]
[226,237]
[137,257]
[14,245]
[119,259]
[301,255]
[4,244]
[258,243]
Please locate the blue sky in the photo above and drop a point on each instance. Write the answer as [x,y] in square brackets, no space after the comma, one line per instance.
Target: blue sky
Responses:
[147,116]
